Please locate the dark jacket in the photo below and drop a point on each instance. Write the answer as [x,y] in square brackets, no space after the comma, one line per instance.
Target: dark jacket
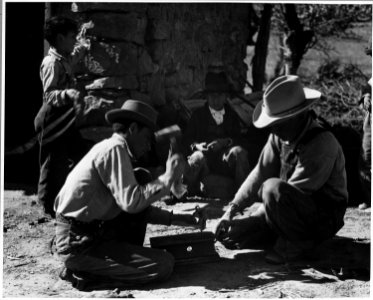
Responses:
[203,128]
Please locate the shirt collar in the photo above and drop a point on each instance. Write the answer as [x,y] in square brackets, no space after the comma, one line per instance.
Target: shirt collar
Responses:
[217,115]
[53,52]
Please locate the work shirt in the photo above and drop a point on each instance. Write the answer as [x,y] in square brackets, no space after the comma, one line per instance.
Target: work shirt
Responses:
[57,76]
[320,168]
[103,184]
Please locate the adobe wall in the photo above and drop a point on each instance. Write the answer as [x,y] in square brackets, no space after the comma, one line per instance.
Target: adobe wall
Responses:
[157,52]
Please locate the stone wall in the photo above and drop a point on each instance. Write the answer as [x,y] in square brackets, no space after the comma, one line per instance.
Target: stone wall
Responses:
[157,52]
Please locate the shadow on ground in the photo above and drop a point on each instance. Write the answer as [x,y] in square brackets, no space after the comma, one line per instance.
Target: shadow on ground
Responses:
[335,260]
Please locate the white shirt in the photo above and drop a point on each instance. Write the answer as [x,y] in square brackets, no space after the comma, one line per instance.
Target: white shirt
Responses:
[218,115]
[103,184]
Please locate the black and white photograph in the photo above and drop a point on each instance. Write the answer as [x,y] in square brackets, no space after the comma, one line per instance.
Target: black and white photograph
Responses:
[201,149]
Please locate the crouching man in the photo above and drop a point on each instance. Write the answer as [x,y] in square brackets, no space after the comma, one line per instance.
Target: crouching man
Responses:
[300,180]
[102,210]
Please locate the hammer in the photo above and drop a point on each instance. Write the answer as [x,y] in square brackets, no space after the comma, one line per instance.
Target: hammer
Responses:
[169,133]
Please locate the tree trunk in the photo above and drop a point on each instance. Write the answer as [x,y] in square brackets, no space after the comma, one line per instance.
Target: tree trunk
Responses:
[297,41]
[261,49]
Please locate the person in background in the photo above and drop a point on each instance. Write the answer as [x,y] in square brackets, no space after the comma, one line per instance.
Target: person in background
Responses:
[213,137]
[61,145]
[366,104]
[103,208]
[299,180]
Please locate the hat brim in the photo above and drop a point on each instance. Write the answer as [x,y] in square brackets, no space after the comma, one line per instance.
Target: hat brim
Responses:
[261,119]
[119,115]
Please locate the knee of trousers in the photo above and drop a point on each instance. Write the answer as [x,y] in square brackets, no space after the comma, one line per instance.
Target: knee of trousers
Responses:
[195,163]
[272,193]
[166,263]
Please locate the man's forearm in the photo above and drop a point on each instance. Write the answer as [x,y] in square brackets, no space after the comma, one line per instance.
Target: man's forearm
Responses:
[137,197]
[157,215]
[247,193]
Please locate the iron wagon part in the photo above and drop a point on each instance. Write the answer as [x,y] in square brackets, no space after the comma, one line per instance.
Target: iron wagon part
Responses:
[188,248]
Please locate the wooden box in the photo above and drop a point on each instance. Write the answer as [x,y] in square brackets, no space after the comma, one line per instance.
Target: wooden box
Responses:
[188,248]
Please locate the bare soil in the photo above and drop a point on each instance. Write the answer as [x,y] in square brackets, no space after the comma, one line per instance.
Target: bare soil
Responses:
[340,268]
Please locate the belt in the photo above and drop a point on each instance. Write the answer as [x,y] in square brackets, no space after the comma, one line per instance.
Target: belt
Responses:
[84,226]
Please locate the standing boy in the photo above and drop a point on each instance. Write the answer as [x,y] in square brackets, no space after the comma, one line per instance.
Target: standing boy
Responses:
[61,145]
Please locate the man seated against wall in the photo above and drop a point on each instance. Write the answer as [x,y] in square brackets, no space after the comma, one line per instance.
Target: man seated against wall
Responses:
[213,141]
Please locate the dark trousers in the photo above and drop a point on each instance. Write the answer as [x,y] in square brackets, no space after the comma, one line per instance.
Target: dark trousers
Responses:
[111,252]
[232,163]
[57,159]
[288,213]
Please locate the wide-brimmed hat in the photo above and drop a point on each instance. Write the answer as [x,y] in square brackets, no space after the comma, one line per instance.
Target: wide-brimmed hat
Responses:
[284,98]
[133,110]
[216,83]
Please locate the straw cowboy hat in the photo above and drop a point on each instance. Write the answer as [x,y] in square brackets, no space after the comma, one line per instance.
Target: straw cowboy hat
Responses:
[284,98]
[133,110]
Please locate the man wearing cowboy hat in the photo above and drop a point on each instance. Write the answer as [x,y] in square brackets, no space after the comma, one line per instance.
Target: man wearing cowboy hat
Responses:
[102,210]
[299,180]
[213,137]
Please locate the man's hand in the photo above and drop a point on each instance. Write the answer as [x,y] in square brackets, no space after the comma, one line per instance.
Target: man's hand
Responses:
[219,144]
[80,50]
[200,147]
[73,95]
[77,98]
[175,167]
[223,225]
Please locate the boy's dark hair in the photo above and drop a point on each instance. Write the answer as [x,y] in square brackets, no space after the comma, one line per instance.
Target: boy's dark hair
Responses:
[58,25]
[124,125]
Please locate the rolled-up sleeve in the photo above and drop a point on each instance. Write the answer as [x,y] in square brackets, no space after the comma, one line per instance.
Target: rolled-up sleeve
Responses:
[268,166]
[116,172]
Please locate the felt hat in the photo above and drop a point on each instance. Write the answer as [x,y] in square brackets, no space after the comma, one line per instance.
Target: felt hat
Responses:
[133,110]
[284,98]
[216,83]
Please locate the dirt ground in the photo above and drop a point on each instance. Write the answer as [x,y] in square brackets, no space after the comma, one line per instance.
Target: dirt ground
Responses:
[341,267]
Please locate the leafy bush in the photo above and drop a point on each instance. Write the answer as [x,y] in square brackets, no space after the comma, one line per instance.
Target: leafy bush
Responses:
[325,19]
[341,86]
